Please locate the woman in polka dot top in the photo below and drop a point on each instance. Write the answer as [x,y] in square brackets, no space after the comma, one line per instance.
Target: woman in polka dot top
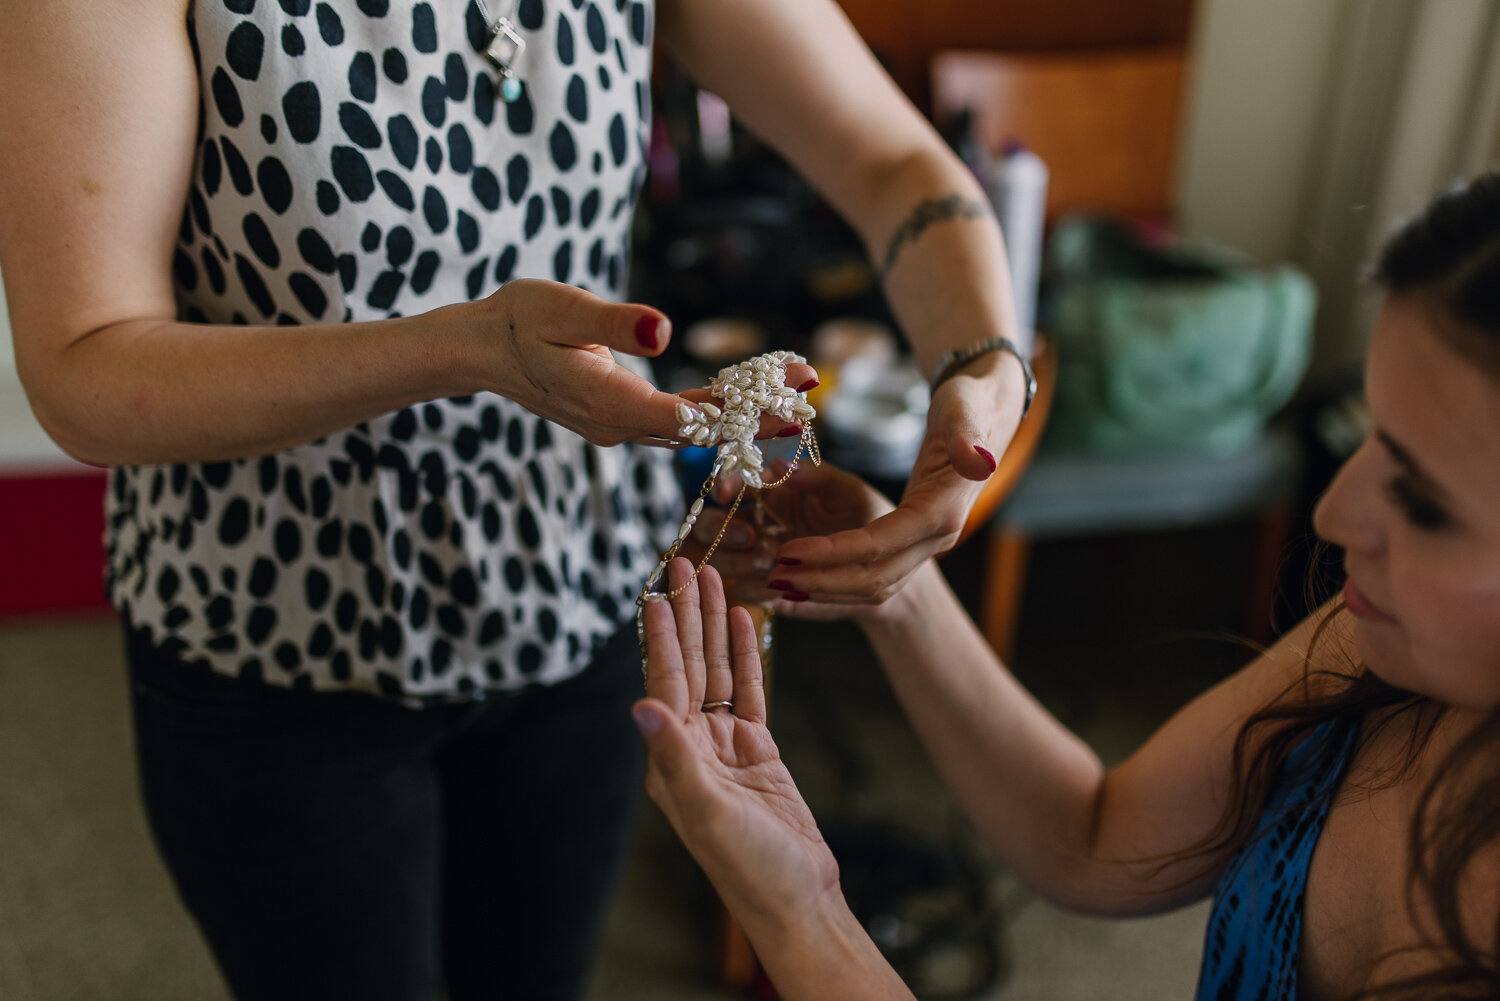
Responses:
[344,322]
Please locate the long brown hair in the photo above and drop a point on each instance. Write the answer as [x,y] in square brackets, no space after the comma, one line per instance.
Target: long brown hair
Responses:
[1457,811]
[1449,255]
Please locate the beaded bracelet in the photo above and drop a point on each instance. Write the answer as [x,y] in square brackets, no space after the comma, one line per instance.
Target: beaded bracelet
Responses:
[749,389]
[952,361]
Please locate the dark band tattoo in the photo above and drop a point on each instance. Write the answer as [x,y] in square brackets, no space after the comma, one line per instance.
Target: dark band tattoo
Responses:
[924,215]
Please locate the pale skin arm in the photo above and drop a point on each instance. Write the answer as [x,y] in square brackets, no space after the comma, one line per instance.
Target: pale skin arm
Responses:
[834,113]
[1050,810]
[1036,792]
[1083,836]
[97,137]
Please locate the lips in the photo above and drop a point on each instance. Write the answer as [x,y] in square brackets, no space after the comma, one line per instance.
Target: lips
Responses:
[1360,607]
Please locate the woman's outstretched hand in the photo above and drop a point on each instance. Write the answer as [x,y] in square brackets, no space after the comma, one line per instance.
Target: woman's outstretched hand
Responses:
[843,543]
[715,771]
[972,418]
[816,501]
[554,357]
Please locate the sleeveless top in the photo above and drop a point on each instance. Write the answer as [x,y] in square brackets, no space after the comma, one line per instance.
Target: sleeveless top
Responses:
[1255,925]
[354,163]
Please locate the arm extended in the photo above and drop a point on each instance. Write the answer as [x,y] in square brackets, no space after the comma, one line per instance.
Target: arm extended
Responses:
[1088,838]
[98,137]
[799,76]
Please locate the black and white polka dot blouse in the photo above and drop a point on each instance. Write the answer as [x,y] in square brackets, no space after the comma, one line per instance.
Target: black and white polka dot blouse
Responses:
[355,164]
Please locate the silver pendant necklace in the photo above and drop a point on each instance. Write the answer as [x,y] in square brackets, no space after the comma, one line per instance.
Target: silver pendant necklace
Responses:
[503,47]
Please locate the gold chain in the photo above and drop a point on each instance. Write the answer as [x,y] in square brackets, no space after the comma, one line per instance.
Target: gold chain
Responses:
[807,441]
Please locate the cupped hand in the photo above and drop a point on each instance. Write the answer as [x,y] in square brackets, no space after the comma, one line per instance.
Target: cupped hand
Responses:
[971,420]
[714,770]
[814,501]
[555,343]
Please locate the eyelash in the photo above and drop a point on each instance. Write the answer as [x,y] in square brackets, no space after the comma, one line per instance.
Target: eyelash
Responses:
[1415,507]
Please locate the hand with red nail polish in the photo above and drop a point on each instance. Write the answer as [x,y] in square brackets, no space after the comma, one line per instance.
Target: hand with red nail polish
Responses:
[815,504]
[551,347]
[970,421]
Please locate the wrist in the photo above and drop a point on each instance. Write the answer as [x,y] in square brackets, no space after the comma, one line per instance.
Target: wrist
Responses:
[897,613]
[467,339]
[825,953]
[982,358]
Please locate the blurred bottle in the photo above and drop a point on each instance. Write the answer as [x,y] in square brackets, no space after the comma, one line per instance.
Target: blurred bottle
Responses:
[1017,187]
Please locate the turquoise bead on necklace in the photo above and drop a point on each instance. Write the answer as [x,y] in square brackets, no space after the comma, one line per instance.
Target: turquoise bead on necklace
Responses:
[503,47]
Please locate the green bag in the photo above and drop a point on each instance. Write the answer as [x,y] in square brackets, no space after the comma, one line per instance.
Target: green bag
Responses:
[1178,347]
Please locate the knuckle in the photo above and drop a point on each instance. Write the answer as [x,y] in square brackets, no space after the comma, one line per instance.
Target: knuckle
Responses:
[606,437]
[949,527]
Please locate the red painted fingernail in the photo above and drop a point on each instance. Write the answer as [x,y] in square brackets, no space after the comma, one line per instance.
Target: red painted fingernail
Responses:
[782,585]
[984,453]
[788,561]
[645,331]
[790,432]
[809,384]
[796,595]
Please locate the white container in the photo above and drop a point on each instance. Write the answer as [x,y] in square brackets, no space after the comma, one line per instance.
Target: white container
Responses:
[1017,187]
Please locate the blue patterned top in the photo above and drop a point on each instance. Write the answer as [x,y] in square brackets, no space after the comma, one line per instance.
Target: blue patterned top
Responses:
[1251,946]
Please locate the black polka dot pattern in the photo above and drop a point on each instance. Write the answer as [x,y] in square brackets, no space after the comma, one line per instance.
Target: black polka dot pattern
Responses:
[355,164]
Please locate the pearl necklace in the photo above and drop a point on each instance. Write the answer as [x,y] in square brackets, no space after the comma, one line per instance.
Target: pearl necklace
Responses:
[749,389]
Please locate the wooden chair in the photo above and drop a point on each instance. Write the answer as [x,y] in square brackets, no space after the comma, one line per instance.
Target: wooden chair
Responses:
[905,35]
[1104,121]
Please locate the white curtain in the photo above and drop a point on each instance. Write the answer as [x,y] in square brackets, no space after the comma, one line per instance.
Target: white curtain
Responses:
[1414,106]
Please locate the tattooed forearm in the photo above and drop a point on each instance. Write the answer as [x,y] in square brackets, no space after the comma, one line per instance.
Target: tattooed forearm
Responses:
[924,215]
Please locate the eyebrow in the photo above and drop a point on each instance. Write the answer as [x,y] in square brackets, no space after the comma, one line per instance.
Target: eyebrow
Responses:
[1409,465]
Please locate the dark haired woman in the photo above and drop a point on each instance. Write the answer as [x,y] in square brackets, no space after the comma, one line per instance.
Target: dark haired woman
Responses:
[1337,796]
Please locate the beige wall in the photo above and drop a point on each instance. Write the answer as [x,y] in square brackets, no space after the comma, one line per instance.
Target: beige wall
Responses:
[24,446]
[7,354]
[1261,74]
[1313,126]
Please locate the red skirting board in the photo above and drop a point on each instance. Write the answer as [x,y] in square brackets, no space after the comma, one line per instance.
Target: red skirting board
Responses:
[52,542]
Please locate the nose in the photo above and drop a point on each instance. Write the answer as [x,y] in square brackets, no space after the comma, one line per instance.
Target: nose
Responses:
[1348,513]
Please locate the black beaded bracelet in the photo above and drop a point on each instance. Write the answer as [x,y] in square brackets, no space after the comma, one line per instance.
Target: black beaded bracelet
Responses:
[952,361]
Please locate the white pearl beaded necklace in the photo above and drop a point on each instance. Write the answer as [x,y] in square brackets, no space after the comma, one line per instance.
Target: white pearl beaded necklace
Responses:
[749,389]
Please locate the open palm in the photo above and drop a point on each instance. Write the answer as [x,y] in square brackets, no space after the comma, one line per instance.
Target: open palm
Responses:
[715,771]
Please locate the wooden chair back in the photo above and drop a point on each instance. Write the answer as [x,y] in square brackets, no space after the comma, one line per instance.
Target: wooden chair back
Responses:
[905,35]
[1105,121]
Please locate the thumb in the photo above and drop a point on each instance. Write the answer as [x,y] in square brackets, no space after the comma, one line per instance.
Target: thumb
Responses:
[566,314]
[966,444]
[630,328]
[665,736]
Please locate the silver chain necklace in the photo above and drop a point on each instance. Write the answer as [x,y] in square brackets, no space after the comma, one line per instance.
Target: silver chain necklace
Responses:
[503,47]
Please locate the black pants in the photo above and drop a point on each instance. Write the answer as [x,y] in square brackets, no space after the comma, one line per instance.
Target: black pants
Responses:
[331,845]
